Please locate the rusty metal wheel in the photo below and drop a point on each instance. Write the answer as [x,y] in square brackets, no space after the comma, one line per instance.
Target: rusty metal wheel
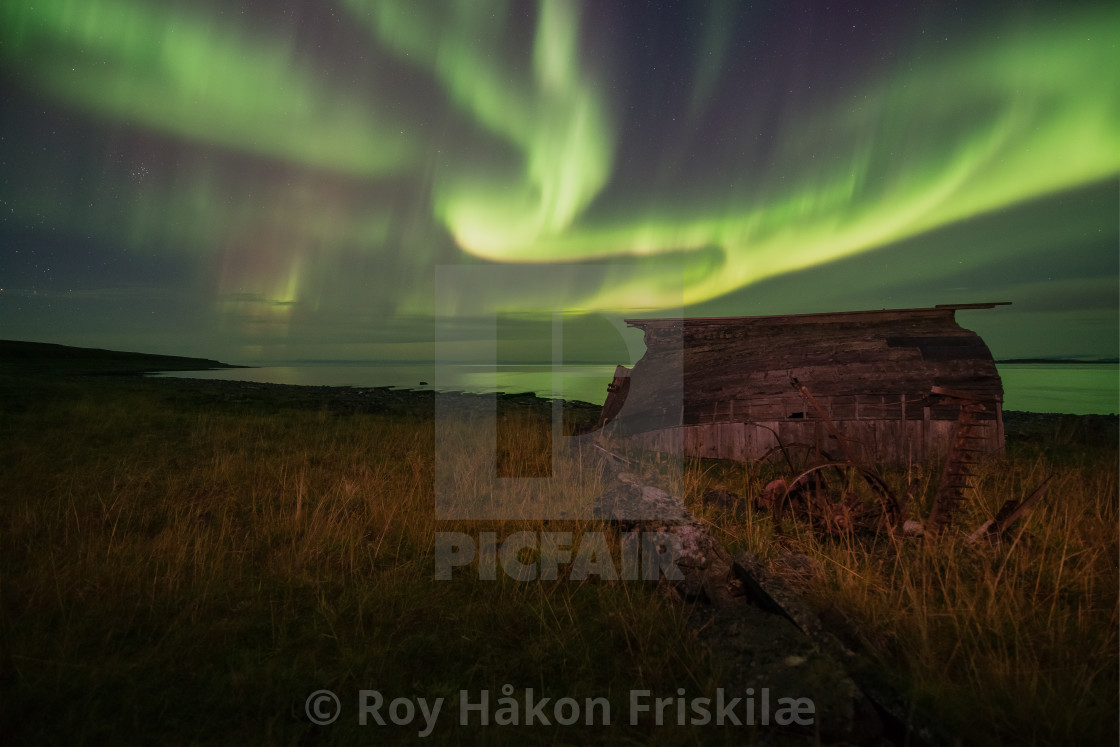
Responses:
[839,497]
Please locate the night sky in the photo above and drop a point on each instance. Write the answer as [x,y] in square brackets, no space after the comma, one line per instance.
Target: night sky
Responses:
[279,180]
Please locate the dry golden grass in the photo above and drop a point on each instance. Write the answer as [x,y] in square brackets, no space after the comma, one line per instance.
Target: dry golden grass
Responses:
[177,570]
[1013,643]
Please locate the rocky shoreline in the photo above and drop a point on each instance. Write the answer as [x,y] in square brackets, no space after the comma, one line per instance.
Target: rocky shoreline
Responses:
[1020,427]
[1102,430]
[350,400]
[346,400]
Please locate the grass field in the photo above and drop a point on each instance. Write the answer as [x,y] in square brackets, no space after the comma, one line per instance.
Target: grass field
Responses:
[179,565]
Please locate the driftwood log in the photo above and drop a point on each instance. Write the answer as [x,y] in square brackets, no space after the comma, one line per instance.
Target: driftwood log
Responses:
[764,633]
[760,646]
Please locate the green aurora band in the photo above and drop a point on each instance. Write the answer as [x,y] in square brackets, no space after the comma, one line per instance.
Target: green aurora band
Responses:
[175,72]
[1051,125]
[518,162]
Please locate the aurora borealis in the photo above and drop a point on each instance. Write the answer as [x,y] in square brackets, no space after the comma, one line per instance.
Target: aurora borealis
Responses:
[275,180]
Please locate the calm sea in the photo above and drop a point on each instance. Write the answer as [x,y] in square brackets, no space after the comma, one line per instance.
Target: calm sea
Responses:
[1077,388]
[1080,389]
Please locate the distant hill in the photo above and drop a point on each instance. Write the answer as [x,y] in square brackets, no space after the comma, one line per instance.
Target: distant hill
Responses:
[1060,360]
[42,357]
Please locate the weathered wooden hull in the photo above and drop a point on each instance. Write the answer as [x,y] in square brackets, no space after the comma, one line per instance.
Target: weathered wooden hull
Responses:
[722,388]
[875,441]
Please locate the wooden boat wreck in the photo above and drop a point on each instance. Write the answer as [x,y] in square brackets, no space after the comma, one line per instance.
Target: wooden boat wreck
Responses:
[870,386]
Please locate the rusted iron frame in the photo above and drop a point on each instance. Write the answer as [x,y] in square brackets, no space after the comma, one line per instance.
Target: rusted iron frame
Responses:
[944,503]
[832,429]
[780,447]
[872,477]
[785,450]
[888,503]
[1009,513]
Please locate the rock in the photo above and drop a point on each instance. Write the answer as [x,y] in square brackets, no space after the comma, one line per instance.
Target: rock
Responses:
[758,649]
[912,527]
[902,719]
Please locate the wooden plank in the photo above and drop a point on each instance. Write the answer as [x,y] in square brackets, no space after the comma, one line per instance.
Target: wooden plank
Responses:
[876,366]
